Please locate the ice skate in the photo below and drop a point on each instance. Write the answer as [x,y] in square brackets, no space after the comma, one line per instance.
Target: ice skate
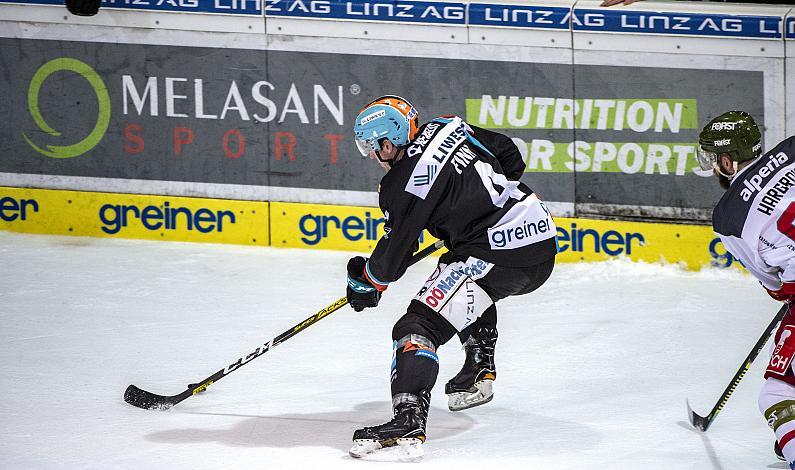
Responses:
[401,438]
[473,385]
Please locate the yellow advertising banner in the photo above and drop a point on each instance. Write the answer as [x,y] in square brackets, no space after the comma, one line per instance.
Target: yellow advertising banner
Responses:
[315,226]
[692,246]
[133,216]
[329,227]
[359,228]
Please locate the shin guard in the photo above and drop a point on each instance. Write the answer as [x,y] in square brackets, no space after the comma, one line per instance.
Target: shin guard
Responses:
[414,365]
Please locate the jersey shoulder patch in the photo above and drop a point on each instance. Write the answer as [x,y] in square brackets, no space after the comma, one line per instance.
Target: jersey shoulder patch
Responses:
[440,140]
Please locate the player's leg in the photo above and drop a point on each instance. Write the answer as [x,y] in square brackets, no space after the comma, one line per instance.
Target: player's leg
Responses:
[777,403]
[448,303]
[777,397]
[473,385]
[415,367]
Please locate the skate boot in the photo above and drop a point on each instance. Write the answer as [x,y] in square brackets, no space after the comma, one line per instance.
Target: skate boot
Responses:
[405,433]
[472,386]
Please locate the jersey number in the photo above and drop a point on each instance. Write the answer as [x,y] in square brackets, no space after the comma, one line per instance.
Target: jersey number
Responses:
[510,189]
[784,223]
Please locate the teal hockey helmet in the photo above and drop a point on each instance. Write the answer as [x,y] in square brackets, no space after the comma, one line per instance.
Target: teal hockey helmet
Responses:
[387,117]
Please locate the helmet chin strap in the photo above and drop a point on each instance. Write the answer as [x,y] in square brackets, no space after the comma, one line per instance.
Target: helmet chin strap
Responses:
[388,162]
[717,168]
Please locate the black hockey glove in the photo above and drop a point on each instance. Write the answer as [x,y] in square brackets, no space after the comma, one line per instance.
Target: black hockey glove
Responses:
[361,293]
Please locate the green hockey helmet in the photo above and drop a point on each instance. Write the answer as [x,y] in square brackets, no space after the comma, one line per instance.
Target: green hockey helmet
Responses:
[734,133]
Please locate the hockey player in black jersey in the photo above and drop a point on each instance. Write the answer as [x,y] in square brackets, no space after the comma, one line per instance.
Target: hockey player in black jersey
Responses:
[461,183]
[755,222]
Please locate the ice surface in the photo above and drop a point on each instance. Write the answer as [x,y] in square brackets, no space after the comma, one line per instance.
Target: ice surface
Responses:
[594,368]
[406,450]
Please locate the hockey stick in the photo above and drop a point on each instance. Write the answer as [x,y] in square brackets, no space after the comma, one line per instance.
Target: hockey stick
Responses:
[702,423]
[151,401]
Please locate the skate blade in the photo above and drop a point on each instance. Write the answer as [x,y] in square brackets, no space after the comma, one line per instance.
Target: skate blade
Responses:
[404,450]
[364,447]
[484,393]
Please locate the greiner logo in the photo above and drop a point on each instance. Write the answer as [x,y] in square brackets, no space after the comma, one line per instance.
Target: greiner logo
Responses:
[116,217]
[611,242]
[526,223]
[12,209]
[506,237]
[316,227]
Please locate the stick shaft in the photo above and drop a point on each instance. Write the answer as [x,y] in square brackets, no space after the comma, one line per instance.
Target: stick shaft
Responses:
[143,399]
[705,422]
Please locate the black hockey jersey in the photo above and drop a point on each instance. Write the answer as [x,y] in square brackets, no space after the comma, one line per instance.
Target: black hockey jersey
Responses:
[461,184]
[755,218]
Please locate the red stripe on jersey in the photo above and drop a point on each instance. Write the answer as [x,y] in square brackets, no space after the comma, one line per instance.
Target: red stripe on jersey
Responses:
[786,438]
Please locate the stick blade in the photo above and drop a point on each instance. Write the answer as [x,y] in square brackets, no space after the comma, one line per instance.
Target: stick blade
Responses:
[699,422]
[147,400]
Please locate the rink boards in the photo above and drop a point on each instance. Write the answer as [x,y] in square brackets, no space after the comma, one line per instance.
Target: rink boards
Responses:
[315,226]
[133,216]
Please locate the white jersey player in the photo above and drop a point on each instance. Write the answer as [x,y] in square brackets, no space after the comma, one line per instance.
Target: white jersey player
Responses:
[755,220]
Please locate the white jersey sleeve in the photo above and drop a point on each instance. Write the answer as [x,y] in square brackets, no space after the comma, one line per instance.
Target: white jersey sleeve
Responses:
[755,219]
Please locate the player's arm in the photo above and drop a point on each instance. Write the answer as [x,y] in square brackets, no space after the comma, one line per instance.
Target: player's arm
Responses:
[369,277]
[765,270]
[767,259]
[504,149]
[783,288]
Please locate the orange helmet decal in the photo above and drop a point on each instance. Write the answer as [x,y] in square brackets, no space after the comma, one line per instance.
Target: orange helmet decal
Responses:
[405,108]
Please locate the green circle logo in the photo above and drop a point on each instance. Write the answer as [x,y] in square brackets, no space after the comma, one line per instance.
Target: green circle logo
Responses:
[103,99]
